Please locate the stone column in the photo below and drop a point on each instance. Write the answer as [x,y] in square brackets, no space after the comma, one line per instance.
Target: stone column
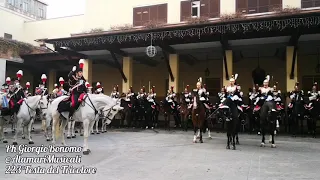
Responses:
[87,70]
[229,60]
[290,83]
[52,77]
[3,66]
[174,65]
[127,67]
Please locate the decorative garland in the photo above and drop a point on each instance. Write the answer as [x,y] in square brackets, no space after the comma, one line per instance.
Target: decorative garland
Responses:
[280,25]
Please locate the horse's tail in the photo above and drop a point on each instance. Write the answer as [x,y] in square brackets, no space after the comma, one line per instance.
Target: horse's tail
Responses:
[56,120]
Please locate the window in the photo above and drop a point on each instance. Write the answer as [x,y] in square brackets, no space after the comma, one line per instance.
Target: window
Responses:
[199,8]
[195,9]
[41,14]
[310,3]
[155,13]
[257,6]
[25,6]
[10,2]
[7,36]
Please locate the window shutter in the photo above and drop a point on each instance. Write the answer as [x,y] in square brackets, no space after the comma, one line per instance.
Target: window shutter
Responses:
[145,15]
[275,4]
[214,8]
[205,8]
[253,6]
[162,13]
[185,10]
[153,10]
[137,17]
[242,6]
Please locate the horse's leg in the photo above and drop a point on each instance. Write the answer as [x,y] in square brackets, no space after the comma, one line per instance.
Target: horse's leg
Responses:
[86,128]
[30,126]
[2,137]
[272,129]
[18,130]
[195,129]
[91,128]
[228,135]
[62,130]
[69,130]
[201,140]
[73,135]
[24,131]
[97,125]
[54,124]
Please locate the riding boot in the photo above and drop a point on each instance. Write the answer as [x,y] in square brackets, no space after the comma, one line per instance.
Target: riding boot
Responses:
[72,109]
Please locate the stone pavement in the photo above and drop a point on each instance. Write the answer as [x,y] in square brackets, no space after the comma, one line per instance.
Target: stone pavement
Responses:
[163,155]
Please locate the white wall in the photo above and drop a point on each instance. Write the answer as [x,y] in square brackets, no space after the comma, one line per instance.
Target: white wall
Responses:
[3,66]
[53,28]
[291,3]
[12,23]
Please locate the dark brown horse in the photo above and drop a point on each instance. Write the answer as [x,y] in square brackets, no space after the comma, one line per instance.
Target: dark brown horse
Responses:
[165,109]
[198,116]
[185,112]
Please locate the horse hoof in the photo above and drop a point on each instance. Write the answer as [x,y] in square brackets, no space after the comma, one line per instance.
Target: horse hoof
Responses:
[92,133]
[97,133]
[237,143]
[68,137]
[102,131]
[13,131]
[48,139]
[262,145]
[5,141]
[14,143]
[228,147]
[31,142]
[233,147]
[76,131]
[209,137]
[74,136]
[201,141]
[87,152]
[273,146]
[194,141]
[23,137]
[81,134]
[32,130]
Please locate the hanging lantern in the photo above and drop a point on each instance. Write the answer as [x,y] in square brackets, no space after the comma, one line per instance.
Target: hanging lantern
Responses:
[207,72]
[19,74]
[28,85]
[151,51]
[81,63]
[43,78]
[8,80]
[61,81]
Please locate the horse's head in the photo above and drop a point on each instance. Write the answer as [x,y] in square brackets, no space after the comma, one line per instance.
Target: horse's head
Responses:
[110,111]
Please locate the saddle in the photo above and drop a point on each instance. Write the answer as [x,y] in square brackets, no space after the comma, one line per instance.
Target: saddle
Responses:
[65,104]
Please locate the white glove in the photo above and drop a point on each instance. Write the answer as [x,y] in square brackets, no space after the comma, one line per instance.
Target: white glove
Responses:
[235,98]
[241,93]
[292,96]
[255,103]
[222,100]
[312,98]
[269,98]
[278,99]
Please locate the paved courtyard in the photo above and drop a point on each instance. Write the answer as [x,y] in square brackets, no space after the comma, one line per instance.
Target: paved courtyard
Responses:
[163,155]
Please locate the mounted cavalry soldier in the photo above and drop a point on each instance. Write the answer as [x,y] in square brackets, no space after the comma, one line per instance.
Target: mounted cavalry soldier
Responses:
[89,88]
[187,95]
[16,94]
[313,96]
[142,94]
[99,89]
[170,98]
[129,94]
[77,87]
[115,92]
[152,96]
[26,91]
[202,92]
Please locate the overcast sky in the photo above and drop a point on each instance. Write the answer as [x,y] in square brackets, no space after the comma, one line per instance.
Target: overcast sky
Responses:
[60,8]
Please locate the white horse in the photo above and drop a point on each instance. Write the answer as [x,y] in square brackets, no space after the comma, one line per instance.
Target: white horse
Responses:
[86,114]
